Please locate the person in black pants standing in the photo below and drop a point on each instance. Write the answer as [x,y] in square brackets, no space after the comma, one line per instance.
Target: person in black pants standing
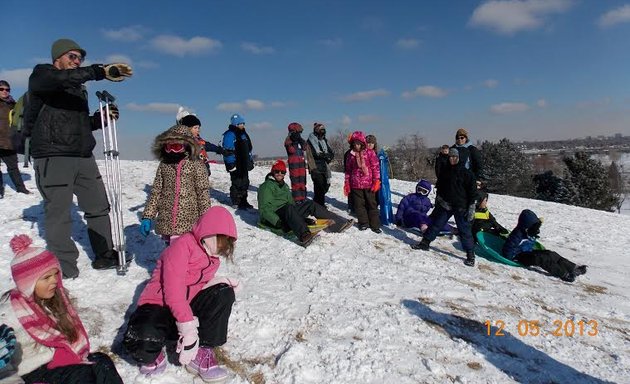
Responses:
[7,152]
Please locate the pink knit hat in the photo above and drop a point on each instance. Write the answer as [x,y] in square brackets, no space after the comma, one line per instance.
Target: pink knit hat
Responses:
[29,263]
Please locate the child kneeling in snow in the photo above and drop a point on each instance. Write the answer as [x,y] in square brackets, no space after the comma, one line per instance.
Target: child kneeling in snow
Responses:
[413,208]
[484,221]
[51,344]
[519,247]
[184,301]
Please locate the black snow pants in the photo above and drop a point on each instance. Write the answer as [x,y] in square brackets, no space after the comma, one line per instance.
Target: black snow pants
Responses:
[293,215]
[365,207]
[548,260]
[151,326]
[101,371]
[320,187]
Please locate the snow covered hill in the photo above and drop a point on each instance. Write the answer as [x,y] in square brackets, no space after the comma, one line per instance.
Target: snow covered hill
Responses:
[364,308]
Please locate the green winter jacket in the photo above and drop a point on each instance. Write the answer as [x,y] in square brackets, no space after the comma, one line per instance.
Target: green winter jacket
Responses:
[271,197]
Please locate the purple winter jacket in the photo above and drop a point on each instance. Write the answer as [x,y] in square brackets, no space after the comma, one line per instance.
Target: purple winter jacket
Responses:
[412,211]
[184,268]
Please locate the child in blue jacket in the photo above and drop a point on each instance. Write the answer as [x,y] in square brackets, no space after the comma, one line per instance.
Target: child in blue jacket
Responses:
[519,247]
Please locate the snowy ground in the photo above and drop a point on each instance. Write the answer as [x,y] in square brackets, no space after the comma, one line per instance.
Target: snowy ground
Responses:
[364,308]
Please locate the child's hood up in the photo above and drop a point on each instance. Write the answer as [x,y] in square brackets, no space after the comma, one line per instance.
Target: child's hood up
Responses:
[216,221]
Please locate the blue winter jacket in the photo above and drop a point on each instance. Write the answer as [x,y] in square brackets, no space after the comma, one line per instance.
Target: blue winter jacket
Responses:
[412,210]
[237,150]
[518,241]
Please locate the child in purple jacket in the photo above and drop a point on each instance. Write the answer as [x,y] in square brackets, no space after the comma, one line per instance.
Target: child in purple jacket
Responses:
[413,209]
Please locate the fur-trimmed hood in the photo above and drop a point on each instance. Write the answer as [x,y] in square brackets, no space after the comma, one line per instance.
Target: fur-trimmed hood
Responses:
[178,134]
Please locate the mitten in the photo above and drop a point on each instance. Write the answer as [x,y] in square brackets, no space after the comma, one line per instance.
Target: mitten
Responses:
[7,345]
[471,212]
[117,71]
[113,111]
[346,188]
[145,227]
[231,167]
[310,221]
[188,343]
[376,186]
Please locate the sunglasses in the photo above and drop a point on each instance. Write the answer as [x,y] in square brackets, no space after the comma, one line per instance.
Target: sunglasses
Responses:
[280,172]
[5,89]
[74,57]
[460,137]
[174,147]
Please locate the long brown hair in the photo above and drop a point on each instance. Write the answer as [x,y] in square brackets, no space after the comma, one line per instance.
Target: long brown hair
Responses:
[225,247]
[56,307]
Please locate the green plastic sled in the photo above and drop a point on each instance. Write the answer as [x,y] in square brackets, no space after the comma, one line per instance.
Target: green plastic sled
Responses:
[490,246]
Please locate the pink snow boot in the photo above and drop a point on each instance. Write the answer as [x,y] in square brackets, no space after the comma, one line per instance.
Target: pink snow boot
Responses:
[156,367]
[205,365]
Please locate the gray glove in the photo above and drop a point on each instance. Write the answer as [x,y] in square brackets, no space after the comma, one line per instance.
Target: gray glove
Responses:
[117,71]
[471,212]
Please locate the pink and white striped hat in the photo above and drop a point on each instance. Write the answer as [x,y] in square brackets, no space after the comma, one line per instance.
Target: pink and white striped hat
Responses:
[30,263]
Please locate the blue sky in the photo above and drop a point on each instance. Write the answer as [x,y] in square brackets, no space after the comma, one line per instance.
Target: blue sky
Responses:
[528,69]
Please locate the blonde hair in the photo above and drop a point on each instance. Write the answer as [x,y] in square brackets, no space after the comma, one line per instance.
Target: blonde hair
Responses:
[56,307]
[225,247]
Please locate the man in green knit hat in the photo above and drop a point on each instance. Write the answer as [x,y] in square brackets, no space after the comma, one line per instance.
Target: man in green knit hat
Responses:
[60,125]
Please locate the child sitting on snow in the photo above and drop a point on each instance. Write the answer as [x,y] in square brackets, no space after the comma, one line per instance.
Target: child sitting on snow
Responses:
[413,209]
[185,300]
[43,327]
[519,247]
[180,193]
[484,221]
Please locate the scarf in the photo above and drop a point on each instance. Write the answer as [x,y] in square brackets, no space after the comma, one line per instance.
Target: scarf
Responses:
[41,327]
[361,161]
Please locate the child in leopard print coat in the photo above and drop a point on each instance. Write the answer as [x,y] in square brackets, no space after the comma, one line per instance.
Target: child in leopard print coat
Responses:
[181,191]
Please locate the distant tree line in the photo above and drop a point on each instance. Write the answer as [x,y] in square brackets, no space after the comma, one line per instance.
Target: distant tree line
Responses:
[570,179]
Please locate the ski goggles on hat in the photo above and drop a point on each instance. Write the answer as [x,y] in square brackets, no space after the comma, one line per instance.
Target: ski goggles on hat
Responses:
[423,191]
[174,147]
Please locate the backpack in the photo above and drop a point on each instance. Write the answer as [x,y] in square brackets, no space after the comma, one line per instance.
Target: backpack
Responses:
[20,136]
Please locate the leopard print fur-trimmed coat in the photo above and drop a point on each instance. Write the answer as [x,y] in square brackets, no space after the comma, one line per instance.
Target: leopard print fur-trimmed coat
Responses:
[181,190]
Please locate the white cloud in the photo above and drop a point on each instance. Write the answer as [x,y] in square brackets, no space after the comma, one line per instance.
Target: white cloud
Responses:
[254,104]
[407,43]
[368,118]
[263,125]
[426,91]
[175,45]
[133,33]
[365,95]
[279,104]
[231,106]
[346,120]
[542,103]
[118,58]
[332,43]
[16,77]
[503,108]
[491,83]
[511,16]
[256,49]
[156,107]
[615,16]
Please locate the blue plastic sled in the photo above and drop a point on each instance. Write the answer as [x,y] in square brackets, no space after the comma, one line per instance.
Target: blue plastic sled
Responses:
[490,246]
[385,194]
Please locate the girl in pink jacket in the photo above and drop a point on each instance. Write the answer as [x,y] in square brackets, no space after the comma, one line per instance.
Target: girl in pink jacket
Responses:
[184,301]
[363,181]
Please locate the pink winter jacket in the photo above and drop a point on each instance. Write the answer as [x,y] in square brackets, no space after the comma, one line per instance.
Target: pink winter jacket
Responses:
[184,267]
[354,174]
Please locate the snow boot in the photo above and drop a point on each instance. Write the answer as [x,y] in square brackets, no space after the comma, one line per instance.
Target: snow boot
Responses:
[205,365]
[470,259]
[580,270]
[306,239]
[423,245]
[363,227]
[377,230]
[156,367]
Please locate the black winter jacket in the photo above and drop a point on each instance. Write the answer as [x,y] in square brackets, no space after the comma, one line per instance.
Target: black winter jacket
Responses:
[457,186]
[63,126]
[470,157]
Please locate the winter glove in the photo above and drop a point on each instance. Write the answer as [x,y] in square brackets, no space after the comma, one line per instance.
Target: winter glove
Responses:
[113,112]
[376,186]
[346,188]
[188,343]
[310,221]
[117,71]
[471,212]
[145,227]
[7,345]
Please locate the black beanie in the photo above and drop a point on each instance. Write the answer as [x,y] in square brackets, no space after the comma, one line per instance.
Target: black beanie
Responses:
[190,121]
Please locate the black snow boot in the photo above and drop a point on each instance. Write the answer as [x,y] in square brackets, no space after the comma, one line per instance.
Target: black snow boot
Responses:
[423,245]
[470,259]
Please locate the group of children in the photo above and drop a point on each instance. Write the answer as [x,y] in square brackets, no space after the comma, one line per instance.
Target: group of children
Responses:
[185,305]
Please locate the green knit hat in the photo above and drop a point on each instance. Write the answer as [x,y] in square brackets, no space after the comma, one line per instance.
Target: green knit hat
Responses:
[62,46]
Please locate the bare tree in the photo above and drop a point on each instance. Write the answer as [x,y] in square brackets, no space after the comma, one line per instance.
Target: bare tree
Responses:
[410,159]
[339,144]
